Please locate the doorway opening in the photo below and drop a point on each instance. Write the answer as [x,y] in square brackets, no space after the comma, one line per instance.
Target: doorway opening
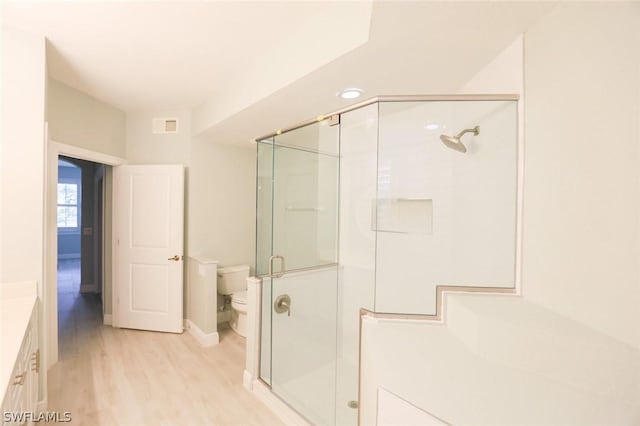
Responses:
[80,242]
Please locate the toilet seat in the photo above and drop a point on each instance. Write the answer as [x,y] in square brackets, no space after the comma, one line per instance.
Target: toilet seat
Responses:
[239,297]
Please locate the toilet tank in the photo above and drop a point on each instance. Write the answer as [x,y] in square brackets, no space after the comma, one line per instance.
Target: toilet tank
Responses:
[232,279]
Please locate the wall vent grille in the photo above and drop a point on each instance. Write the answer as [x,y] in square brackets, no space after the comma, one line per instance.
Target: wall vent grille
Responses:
[164,125]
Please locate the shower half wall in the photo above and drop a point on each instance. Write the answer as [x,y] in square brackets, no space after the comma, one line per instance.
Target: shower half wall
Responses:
[372,209]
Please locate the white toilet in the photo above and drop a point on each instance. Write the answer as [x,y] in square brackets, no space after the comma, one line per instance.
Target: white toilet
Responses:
[232,280]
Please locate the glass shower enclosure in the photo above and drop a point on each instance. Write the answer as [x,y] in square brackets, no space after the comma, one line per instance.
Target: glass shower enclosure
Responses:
[377,207]
[297,251]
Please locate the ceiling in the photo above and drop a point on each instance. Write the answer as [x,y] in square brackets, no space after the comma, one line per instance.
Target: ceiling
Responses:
[247,68]
[145,55]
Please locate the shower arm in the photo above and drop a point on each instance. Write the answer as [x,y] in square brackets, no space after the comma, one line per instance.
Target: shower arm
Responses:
[475,131]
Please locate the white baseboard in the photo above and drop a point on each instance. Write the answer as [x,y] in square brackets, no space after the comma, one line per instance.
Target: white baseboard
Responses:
[210,339]
[287,414]
[88,288]
[247,380]
[107,319]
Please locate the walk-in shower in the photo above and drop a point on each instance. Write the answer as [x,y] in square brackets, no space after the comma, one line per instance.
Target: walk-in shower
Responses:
[369,210]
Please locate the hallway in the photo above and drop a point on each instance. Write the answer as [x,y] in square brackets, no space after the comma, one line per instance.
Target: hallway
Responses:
[110,376]
[76,311]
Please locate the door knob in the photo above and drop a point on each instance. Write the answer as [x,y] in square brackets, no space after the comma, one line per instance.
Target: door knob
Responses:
[176,258]
[282,304]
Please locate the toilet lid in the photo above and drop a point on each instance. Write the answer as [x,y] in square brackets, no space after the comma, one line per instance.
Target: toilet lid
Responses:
[240,297]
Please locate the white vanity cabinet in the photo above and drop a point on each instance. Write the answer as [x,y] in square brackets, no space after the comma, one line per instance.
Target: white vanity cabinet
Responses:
[20,346]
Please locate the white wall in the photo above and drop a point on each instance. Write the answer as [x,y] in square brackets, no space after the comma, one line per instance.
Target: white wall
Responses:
[22,158]
[23,116]
[201,296]
[80,120]
[221,207]
[582,193]
[145,147]
[505,362]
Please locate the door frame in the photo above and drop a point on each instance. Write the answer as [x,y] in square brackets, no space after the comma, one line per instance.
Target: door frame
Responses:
[50,303]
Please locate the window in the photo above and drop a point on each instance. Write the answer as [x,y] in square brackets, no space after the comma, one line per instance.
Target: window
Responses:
[67,205]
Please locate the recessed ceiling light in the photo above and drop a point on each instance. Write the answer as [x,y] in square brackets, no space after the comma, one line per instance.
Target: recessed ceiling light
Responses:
[350,93]
[431,126]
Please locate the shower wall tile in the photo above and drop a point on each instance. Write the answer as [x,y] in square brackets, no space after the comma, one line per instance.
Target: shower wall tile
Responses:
[404,215]
[471,201]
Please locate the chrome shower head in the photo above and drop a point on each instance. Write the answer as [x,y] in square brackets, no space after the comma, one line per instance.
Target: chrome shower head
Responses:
[454,142]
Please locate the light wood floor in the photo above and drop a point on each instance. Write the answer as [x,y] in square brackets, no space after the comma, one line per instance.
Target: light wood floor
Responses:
[109,376]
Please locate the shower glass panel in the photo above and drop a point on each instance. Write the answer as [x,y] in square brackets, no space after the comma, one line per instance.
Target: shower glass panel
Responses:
[444,217]
[303,351]
[357,248]
[299,240]
[264,201]
[264,247]
[305,197]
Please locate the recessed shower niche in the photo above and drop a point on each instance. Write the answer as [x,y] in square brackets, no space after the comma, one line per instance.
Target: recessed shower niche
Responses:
[376,208]
[403,215]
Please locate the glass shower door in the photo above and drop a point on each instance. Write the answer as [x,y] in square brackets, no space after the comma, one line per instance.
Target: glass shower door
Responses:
[304,271]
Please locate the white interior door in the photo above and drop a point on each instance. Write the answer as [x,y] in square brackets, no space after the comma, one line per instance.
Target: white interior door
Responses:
[148,243]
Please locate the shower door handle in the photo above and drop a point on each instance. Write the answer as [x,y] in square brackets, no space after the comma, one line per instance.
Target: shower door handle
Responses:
[279,274]
[283,304]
